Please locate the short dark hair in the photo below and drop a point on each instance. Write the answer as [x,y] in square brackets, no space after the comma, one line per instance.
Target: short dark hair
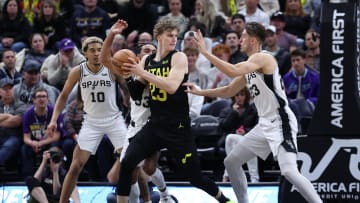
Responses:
[298,52]
[236,16]
[257,30]
[40,89]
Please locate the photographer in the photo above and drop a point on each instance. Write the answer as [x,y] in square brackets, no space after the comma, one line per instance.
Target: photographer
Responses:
[45,185]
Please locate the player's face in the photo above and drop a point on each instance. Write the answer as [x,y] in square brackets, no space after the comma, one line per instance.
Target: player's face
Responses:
[93,52]
[147,49]
[168,40]
[245,42]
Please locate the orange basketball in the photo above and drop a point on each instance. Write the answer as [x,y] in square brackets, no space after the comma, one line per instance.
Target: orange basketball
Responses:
[122,56]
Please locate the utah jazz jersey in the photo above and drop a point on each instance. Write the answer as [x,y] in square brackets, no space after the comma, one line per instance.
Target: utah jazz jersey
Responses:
[165,106]
[267,91]
[98,92]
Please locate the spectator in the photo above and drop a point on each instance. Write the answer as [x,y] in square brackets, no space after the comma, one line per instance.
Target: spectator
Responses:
[111,7]
[7,66]
[176,15]
[216,77]
[214,20]
[313,8]
[14,27]
[140,15]
[36,52]
[89,20]
[56,67]
[232,40]
[30,82]
[196,76]
[45,185]
[201,63]
[10,122]
[281,55]
[297,21]
[118,43]
[312,45]
[144,38]
[238,23]
[268,6]
[301,82]
[285,40]
[235,121]
[34,124]
[253,13]
[51,24]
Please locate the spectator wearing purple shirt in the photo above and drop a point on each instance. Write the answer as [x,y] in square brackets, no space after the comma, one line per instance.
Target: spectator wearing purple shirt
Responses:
[34,124]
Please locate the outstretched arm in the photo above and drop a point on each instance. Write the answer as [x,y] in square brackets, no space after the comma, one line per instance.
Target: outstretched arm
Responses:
[105,55]
[170,83]
[255,62]
[226,91]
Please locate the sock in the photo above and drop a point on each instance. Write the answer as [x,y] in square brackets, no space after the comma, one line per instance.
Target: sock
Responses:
[148,202]
[158,179]
[134,193]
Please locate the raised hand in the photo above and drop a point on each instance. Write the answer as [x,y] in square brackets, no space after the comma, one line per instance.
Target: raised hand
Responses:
[199,39]
[119,26]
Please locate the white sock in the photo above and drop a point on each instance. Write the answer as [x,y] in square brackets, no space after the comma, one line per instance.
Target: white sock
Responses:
[134,193]
[158,179]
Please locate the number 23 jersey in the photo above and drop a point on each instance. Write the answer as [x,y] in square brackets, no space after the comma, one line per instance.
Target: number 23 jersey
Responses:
[267,91]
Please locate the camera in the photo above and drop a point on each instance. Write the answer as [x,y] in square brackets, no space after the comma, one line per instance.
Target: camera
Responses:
[55,156]
[192,34]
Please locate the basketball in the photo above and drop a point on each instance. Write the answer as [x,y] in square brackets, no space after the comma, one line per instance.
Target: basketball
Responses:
[122,56]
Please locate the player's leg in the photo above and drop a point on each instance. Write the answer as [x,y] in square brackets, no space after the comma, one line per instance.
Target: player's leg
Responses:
[140,147]
[233,164]
[88,141]
[288,168]
[157,177]
[80,157]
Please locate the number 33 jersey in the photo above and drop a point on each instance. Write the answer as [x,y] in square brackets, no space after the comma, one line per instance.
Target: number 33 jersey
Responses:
[98,92]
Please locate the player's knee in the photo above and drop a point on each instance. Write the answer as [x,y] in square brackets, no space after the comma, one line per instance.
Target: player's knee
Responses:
[76,166]
[149,169]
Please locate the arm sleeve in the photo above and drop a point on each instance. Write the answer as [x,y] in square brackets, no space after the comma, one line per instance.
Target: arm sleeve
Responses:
[135,87]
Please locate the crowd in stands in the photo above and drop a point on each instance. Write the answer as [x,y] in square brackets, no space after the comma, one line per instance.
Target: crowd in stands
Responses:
[40,42]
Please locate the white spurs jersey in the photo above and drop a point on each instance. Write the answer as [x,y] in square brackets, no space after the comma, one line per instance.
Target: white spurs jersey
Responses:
[140,113]
[98,92]
[267,91]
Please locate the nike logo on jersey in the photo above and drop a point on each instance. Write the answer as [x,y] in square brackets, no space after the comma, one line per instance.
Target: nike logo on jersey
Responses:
[104,74]
[273,120]
[183,160]
[86,75]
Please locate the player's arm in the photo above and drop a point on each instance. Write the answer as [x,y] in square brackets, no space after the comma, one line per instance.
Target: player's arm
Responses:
[124,89]
[179,67]
[105,54]
[73,78]
[225,92]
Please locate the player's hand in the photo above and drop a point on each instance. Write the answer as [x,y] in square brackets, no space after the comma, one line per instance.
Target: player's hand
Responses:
[199,40]
[51,128]
[191,88]
[133,67]
[119,26]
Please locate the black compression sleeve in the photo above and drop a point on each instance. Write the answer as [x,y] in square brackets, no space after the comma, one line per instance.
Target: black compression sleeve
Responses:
[136,88]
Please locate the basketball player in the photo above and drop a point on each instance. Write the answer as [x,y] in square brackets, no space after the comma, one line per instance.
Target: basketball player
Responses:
[277,127]
[98,87]
[169,124]
[140,113]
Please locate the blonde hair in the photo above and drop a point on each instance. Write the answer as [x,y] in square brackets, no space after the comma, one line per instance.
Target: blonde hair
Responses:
[90,40]
[163,26]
